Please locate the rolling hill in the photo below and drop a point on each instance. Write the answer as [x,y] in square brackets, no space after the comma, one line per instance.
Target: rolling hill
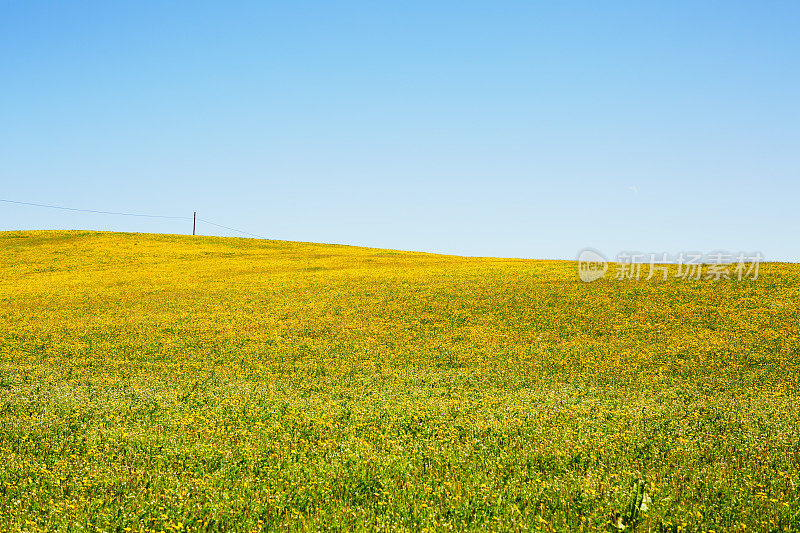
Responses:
[161,382]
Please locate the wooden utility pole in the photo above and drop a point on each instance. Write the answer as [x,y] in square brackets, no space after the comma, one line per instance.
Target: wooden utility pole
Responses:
[194,222]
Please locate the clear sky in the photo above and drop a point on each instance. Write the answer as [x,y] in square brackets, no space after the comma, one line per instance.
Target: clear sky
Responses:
[517,129]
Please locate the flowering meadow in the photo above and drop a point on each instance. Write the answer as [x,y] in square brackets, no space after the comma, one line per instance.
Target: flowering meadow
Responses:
[176,383]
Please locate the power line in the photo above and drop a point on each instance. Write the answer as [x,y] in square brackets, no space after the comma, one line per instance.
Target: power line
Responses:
[132,215]
[231,229]
[93,211]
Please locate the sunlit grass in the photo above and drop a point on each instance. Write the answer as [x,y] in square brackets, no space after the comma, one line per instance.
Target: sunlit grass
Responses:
[153,383]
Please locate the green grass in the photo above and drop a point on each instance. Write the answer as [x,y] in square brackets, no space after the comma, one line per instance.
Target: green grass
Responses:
[157,383]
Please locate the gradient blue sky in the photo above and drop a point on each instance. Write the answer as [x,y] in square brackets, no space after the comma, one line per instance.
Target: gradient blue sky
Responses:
[519,129]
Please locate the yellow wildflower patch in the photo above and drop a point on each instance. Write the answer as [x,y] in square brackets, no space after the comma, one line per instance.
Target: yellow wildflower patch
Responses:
[172,383]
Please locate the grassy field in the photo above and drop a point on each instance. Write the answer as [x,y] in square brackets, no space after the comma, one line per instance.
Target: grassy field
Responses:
[169,383]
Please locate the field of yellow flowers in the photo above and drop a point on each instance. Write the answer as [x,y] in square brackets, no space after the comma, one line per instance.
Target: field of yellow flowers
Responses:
[171,383]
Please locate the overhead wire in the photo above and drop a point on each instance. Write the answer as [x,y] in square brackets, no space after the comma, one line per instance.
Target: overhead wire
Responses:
[122,213]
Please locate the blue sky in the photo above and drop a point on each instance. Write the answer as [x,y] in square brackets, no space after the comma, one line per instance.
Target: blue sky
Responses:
[515,129]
